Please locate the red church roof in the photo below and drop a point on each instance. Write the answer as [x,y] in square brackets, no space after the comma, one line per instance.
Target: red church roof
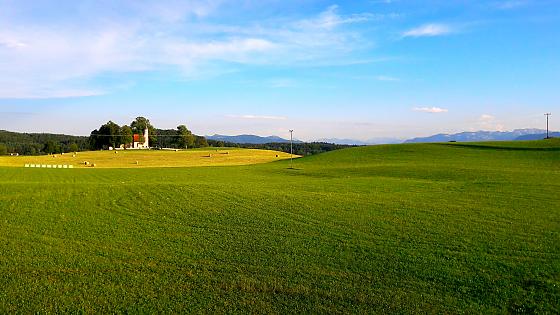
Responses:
[136,137]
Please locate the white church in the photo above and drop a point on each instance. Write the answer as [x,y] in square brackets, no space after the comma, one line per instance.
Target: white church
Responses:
[137,144]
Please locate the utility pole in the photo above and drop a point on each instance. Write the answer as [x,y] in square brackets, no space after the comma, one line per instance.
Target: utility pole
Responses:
[291,152]
[547,115]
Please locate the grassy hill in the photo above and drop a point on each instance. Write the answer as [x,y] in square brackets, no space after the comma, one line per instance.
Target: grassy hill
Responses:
[444,228]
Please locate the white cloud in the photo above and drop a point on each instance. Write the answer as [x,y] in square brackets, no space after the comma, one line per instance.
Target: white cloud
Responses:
[486,117]
[330,19]
[428,30]
[49,59]
[488,122]
[433,110]
[257,117]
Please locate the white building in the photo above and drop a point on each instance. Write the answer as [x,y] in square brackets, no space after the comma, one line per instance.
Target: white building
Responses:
[137,144]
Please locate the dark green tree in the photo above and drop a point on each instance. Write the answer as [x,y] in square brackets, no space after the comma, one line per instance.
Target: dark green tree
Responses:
[52,147]
[73,147]
[126,135]
[3,149]
[200,142]
[109,135]
[185,137]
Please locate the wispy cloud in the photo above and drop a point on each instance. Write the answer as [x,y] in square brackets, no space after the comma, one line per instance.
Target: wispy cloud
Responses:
[257,117]
[49,59]
[486,117]
[509,5]
[386,78]
[488,122]
[428,30]
[330,18]
[433,110]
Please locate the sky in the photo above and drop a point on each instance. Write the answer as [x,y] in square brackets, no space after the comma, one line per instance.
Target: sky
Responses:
[326,69]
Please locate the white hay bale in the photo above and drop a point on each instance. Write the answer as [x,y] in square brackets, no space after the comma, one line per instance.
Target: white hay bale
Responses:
[26,165]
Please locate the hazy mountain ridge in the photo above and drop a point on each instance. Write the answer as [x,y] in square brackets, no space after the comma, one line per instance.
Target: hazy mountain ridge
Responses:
[371,141]
[517,134]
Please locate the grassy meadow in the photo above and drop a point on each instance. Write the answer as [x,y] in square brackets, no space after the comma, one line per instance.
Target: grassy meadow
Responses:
[150,158]
[415,228]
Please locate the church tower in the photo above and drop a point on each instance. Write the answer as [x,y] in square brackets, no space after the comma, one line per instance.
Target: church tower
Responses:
[146,137]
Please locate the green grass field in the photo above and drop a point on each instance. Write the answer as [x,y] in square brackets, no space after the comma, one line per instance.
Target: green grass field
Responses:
[428,228]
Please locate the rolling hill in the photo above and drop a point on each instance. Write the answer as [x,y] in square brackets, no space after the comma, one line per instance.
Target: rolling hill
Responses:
[409,228]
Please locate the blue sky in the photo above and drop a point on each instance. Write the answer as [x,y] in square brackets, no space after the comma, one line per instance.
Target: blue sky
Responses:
[346,69]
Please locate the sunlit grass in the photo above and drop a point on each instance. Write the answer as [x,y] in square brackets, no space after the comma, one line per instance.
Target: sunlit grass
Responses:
[151,158]
[427,228]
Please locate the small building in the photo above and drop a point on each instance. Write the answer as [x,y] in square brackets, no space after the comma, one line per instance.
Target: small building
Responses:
[139,141]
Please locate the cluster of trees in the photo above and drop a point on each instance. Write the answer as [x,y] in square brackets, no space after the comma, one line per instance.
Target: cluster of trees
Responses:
[40,143]
[113,135]
[300,148]
[179,138]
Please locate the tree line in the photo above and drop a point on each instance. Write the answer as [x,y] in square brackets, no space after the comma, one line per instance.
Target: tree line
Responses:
[40,143]
[111,134]
[299,148]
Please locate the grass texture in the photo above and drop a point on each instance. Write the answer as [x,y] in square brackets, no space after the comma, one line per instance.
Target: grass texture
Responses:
[413,228]
[150,158]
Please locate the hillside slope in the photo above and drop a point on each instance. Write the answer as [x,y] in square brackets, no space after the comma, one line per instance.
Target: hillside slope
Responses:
[413,228]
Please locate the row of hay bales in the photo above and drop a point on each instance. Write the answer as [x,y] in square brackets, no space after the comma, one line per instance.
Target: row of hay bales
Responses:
[49,166]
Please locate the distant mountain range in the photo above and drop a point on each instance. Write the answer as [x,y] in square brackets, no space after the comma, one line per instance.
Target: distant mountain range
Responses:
[250,139]
[518,134]
[538,136]
[360,142]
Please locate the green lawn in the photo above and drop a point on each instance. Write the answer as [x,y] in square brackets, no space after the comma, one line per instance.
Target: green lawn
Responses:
[437,228]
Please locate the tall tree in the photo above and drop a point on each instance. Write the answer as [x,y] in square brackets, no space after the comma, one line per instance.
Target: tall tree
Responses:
[109,135]
[126,135]
[185,137]
[200,142]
